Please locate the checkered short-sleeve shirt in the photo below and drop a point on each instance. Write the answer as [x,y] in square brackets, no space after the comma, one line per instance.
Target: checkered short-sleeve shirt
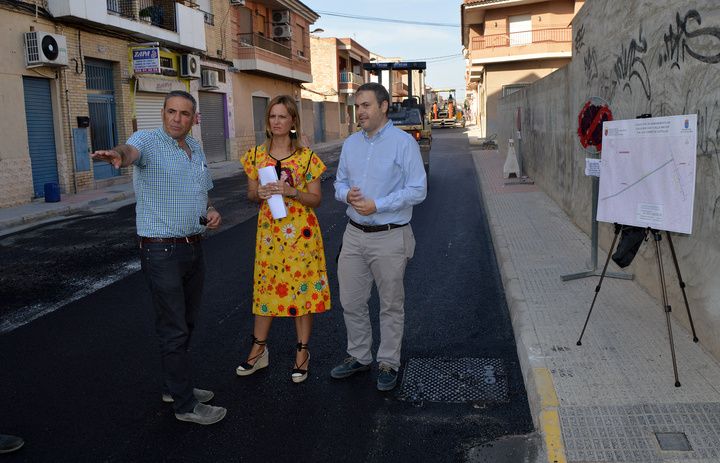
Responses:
[171,188]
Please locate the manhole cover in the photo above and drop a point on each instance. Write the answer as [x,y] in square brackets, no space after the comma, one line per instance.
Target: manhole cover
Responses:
[676,441]
[455,380]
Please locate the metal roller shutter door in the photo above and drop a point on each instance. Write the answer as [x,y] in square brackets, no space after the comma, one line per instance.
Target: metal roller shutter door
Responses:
[148,109]
[212,126]
[41,133]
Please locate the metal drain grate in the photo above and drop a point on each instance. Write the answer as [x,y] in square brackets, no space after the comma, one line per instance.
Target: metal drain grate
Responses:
[455,380]
[673,441]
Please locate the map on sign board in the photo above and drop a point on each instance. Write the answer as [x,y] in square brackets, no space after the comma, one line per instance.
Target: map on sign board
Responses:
[648,173]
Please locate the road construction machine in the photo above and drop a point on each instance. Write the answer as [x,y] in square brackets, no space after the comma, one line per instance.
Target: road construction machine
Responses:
[444,108]
[408,109]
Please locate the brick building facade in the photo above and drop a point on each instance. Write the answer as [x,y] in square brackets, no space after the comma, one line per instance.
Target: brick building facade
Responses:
[95,93]
[337,69]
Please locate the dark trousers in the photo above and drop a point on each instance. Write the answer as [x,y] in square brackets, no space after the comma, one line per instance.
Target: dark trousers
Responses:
[175,274]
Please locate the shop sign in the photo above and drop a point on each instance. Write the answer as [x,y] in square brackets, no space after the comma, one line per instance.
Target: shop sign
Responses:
[146,60]
[159,85]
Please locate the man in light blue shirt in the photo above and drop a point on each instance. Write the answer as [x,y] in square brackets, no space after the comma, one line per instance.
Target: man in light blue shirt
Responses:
[171,183]
[380,177]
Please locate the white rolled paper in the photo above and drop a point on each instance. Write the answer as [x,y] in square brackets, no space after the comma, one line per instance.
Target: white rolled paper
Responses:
[276,202]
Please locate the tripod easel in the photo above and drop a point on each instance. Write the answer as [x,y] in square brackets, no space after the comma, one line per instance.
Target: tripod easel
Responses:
[666,306]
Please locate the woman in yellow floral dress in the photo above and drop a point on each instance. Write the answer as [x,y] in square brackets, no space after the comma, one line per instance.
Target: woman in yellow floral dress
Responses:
[290,279]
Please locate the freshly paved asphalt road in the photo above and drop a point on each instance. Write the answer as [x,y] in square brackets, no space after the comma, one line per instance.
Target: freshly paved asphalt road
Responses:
[81,383]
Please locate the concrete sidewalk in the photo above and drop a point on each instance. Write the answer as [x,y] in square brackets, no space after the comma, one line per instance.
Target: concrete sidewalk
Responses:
[613,398]
[15,218]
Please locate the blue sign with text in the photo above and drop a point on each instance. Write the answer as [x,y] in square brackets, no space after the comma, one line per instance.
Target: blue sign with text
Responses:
[146,60]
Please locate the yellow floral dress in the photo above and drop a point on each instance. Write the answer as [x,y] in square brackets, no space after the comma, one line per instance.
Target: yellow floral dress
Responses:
[290,278]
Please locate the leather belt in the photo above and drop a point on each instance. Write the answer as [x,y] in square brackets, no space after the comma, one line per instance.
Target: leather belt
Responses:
[185,239]
[375,228]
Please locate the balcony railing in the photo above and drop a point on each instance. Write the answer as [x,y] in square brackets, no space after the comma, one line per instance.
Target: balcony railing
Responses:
[160,12]
[254,40]
[208,17]
[522,38]
[347,77]
[114,6]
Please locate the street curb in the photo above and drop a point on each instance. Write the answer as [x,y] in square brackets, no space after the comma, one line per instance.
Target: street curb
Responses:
[106,200]
[63,210]
[542,398]
[29,219]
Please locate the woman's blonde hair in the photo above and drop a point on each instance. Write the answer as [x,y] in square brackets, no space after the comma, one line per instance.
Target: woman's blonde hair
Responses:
[292,109]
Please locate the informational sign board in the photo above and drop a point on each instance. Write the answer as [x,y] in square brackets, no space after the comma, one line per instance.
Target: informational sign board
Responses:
[146,60]
[592,167]
[648,173]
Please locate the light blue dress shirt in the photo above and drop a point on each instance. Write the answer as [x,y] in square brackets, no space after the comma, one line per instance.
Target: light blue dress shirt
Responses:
[388,169]
[171,188]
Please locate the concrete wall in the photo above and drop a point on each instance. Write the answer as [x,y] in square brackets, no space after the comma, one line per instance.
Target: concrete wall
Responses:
[498,75]
[647,56]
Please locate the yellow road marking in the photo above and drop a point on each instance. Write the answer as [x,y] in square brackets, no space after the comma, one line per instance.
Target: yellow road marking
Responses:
[549,417]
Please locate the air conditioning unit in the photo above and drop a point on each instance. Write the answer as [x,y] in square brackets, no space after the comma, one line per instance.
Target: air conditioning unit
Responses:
[44,49]
[209,79]
[281,17]
[190,66]
[237,2]
[283,31]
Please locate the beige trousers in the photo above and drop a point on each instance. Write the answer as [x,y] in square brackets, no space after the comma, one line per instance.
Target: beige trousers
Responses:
[380,257]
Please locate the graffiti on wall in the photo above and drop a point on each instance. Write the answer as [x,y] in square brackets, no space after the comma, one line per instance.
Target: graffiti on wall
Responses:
[708,139]
[657,57]
[630,65]
[591,65]
[685,39]
[699,44]
[579,39]
[709,131]
[590,59]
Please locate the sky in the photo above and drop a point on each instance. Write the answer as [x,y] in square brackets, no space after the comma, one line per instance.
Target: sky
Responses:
[439,46]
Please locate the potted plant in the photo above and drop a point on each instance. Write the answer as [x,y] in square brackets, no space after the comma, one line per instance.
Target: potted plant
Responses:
[146,15]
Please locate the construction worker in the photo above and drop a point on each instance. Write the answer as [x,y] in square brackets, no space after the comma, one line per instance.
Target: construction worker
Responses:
[435,110]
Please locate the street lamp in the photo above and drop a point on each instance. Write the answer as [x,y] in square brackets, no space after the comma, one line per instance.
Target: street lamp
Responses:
[319,30]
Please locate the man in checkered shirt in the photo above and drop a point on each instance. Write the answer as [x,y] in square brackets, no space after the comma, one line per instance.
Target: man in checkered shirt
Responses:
[171,181]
